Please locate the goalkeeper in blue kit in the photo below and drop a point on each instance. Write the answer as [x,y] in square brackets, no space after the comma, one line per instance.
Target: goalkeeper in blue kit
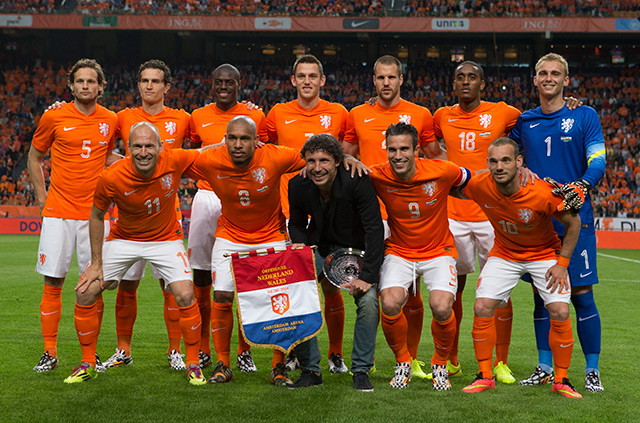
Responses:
[568,147]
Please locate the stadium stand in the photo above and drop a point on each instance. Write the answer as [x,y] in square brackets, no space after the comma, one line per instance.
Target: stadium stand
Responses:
[614,92]
[449,8]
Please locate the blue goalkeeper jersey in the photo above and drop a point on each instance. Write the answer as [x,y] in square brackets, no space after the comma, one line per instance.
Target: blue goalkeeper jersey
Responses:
[566,145]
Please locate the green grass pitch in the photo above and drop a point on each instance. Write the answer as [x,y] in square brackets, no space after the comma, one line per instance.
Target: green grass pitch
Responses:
[149,391]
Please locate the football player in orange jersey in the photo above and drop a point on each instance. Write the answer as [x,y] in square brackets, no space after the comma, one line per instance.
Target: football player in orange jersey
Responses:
[365,135]
[247,181]
[144,187]
[414,192]
[209,126]
[525,242]
[81,138]
[154,81]
[291,124]
[467,129]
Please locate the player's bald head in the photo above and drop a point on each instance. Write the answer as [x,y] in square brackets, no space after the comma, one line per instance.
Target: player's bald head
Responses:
[142,129]
[227,68]
[244,121]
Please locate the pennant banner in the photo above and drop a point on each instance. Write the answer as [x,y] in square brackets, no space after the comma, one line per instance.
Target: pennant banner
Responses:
[277,295]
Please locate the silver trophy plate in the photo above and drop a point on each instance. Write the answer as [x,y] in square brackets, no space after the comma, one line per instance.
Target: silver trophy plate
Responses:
[343,266]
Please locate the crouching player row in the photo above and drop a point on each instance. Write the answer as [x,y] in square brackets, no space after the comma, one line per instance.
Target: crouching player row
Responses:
[525,243]
[144,188]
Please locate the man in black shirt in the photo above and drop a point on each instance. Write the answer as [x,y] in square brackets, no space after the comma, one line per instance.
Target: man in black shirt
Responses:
[344,213]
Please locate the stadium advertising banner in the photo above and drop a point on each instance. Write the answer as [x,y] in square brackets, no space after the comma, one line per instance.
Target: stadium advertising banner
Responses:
[277,295]
[20,226]
[323,24]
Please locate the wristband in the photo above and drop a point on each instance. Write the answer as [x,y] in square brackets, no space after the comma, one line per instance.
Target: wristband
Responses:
[563,261]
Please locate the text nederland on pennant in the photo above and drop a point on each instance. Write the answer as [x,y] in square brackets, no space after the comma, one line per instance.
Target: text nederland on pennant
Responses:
[277,295]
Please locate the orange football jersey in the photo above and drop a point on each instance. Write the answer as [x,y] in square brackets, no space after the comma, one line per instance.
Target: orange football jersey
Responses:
[79,147]
[209,126]
[418,208]
[367,125]
[173,125]
[146,206]
[250,196]
[291,125]
[521,222]
[467,137]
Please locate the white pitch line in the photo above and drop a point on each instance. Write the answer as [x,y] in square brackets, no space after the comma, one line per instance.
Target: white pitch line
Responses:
[619,258]
[618,280]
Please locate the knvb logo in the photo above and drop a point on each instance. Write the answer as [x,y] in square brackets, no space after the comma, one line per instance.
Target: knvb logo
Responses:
[280,303]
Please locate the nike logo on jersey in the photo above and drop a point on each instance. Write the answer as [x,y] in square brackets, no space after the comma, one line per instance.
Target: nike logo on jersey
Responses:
[566,346]
[286,122]
[196,326]
[204,125]
[451,120]
[215,330]
[452,284]
[585,274]
[392,190]
[65,129]
[533,125]
[85,333]
[128,193]
[505,320]
[48,314]
[486,206]
[369,120]
[223,177]
[582,319]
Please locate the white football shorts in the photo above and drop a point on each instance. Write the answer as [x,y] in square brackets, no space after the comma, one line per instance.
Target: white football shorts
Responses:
[471,238]
[438,274]
[205,211]
[500,276]
[58,238]
[168,257]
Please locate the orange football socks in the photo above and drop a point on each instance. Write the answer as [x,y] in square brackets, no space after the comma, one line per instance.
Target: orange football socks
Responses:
[504,321]
[221,328]
[126,312]
[50,310]
[172,321]
[484,339]
[443,333]
[457,310]
[190,321]
[561,343]
[87,328]
[334,316]
[203,298]
[414,313]
[395,332]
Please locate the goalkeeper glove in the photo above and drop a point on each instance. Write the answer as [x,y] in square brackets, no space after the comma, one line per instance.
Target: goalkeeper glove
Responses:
[573,193]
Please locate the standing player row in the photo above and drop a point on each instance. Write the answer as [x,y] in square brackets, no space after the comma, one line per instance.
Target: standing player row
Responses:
[292,123]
